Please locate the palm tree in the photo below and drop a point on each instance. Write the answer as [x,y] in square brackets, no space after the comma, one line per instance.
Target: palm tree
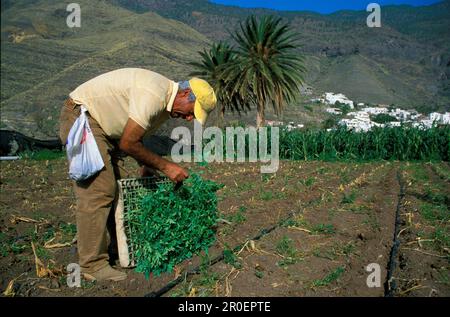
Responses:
[210,68]
[267,68]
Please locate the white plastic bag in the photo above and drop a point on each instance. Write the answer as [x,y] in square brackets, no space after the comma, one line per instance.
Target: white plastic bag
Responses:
[82,150]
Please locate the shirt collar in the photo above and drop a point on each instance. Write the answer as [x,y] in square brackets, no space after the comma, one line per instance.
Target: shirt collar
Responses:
[172,97]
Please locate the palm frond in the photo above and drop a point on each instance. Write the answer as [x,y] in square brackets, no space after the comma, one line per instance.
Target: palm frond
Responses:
[268,67]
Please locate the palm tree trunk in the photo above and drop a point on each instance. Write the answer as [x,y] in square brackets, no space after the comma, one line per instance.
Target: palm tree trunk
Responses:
[260,120]
[220,117]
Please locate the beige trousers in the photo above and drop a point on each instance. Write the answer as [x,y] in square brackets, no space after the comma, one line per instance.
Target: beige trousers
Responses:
[95,196]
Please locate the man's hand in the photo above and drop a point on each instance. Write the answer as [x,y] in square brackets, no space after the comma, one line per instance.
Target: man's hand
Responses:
[175,172]
[131,143]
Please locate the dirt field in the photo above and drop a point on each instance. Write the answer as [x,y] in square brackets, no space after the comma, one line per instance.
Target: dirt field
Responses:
[309,230]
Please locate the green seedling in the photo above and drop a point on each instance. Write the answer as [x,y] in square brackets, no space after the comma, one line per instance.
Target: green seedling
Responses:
[444,277]
[331,277]
[329,254]
[309,181]
[267,195]
[230,258]
[237,218]
[207,279]
[286,248]
[323,229]
[170,226]
[434,213]
[42,253]
[69,230]
[348,198]
[17,248]
[349,248]
[242,209]
[4,249]
[245,187]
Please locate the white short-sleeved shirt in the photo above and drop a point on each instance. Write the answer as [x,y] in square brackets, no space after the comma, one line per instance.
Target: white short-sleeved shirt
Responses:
[142,95]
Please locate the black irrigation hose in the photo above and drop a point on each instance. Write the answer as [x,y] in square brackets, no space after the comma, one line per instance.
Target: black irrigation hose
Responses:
[215,260]
[390,285]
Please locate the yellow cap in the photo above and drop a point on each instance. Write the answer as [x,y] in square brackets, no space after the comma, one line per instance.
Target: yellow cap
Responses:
[205,99]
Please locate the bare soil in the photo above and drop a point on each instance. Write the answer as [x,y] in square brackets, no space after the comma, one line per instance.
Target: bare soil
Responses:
[329,221]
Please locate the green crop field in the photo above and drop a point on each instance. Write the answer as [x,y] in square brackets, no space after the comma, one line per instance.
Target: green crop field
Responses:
[400,143]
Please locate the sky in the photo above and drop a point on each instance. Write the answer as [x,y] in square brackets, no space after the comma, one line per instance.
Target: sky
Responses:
[321,6]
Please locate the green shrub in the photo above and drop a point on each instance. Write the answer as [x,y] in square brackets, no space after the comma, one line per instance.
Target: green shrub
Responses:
[383,118]
[330,123]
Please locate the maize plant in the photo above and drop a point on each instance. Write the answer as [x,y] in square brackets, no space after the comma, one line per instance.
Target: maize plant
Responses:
[390,143]
[396,143]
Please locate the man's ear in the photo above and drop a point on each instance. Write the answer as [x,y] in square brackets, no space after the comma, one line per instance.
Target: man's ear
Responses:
[186,92]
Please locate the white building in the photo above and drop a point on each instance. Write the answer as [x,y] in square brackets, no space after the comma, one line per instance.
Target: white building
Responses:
[375,110]
[400,114]
[442,118]
[446,118]
[335,111]
[361,120]
[359,125]
[423,124]
[331,98]
[361,115]
[273,123]
[393,124]
[293,126]
[435,116]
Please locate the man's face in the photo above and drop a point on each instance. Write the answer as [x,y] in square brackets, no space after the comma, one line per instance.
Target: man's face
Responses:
[184,105]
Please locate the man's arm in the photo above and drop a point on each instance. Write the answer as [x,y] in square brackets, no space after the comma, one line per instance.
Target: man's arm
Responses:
[131,143]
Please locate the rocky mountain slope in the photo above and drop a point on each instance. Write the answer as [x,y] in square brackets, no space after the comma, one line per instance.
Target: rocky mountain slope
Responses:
[43,60]
[406,62]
